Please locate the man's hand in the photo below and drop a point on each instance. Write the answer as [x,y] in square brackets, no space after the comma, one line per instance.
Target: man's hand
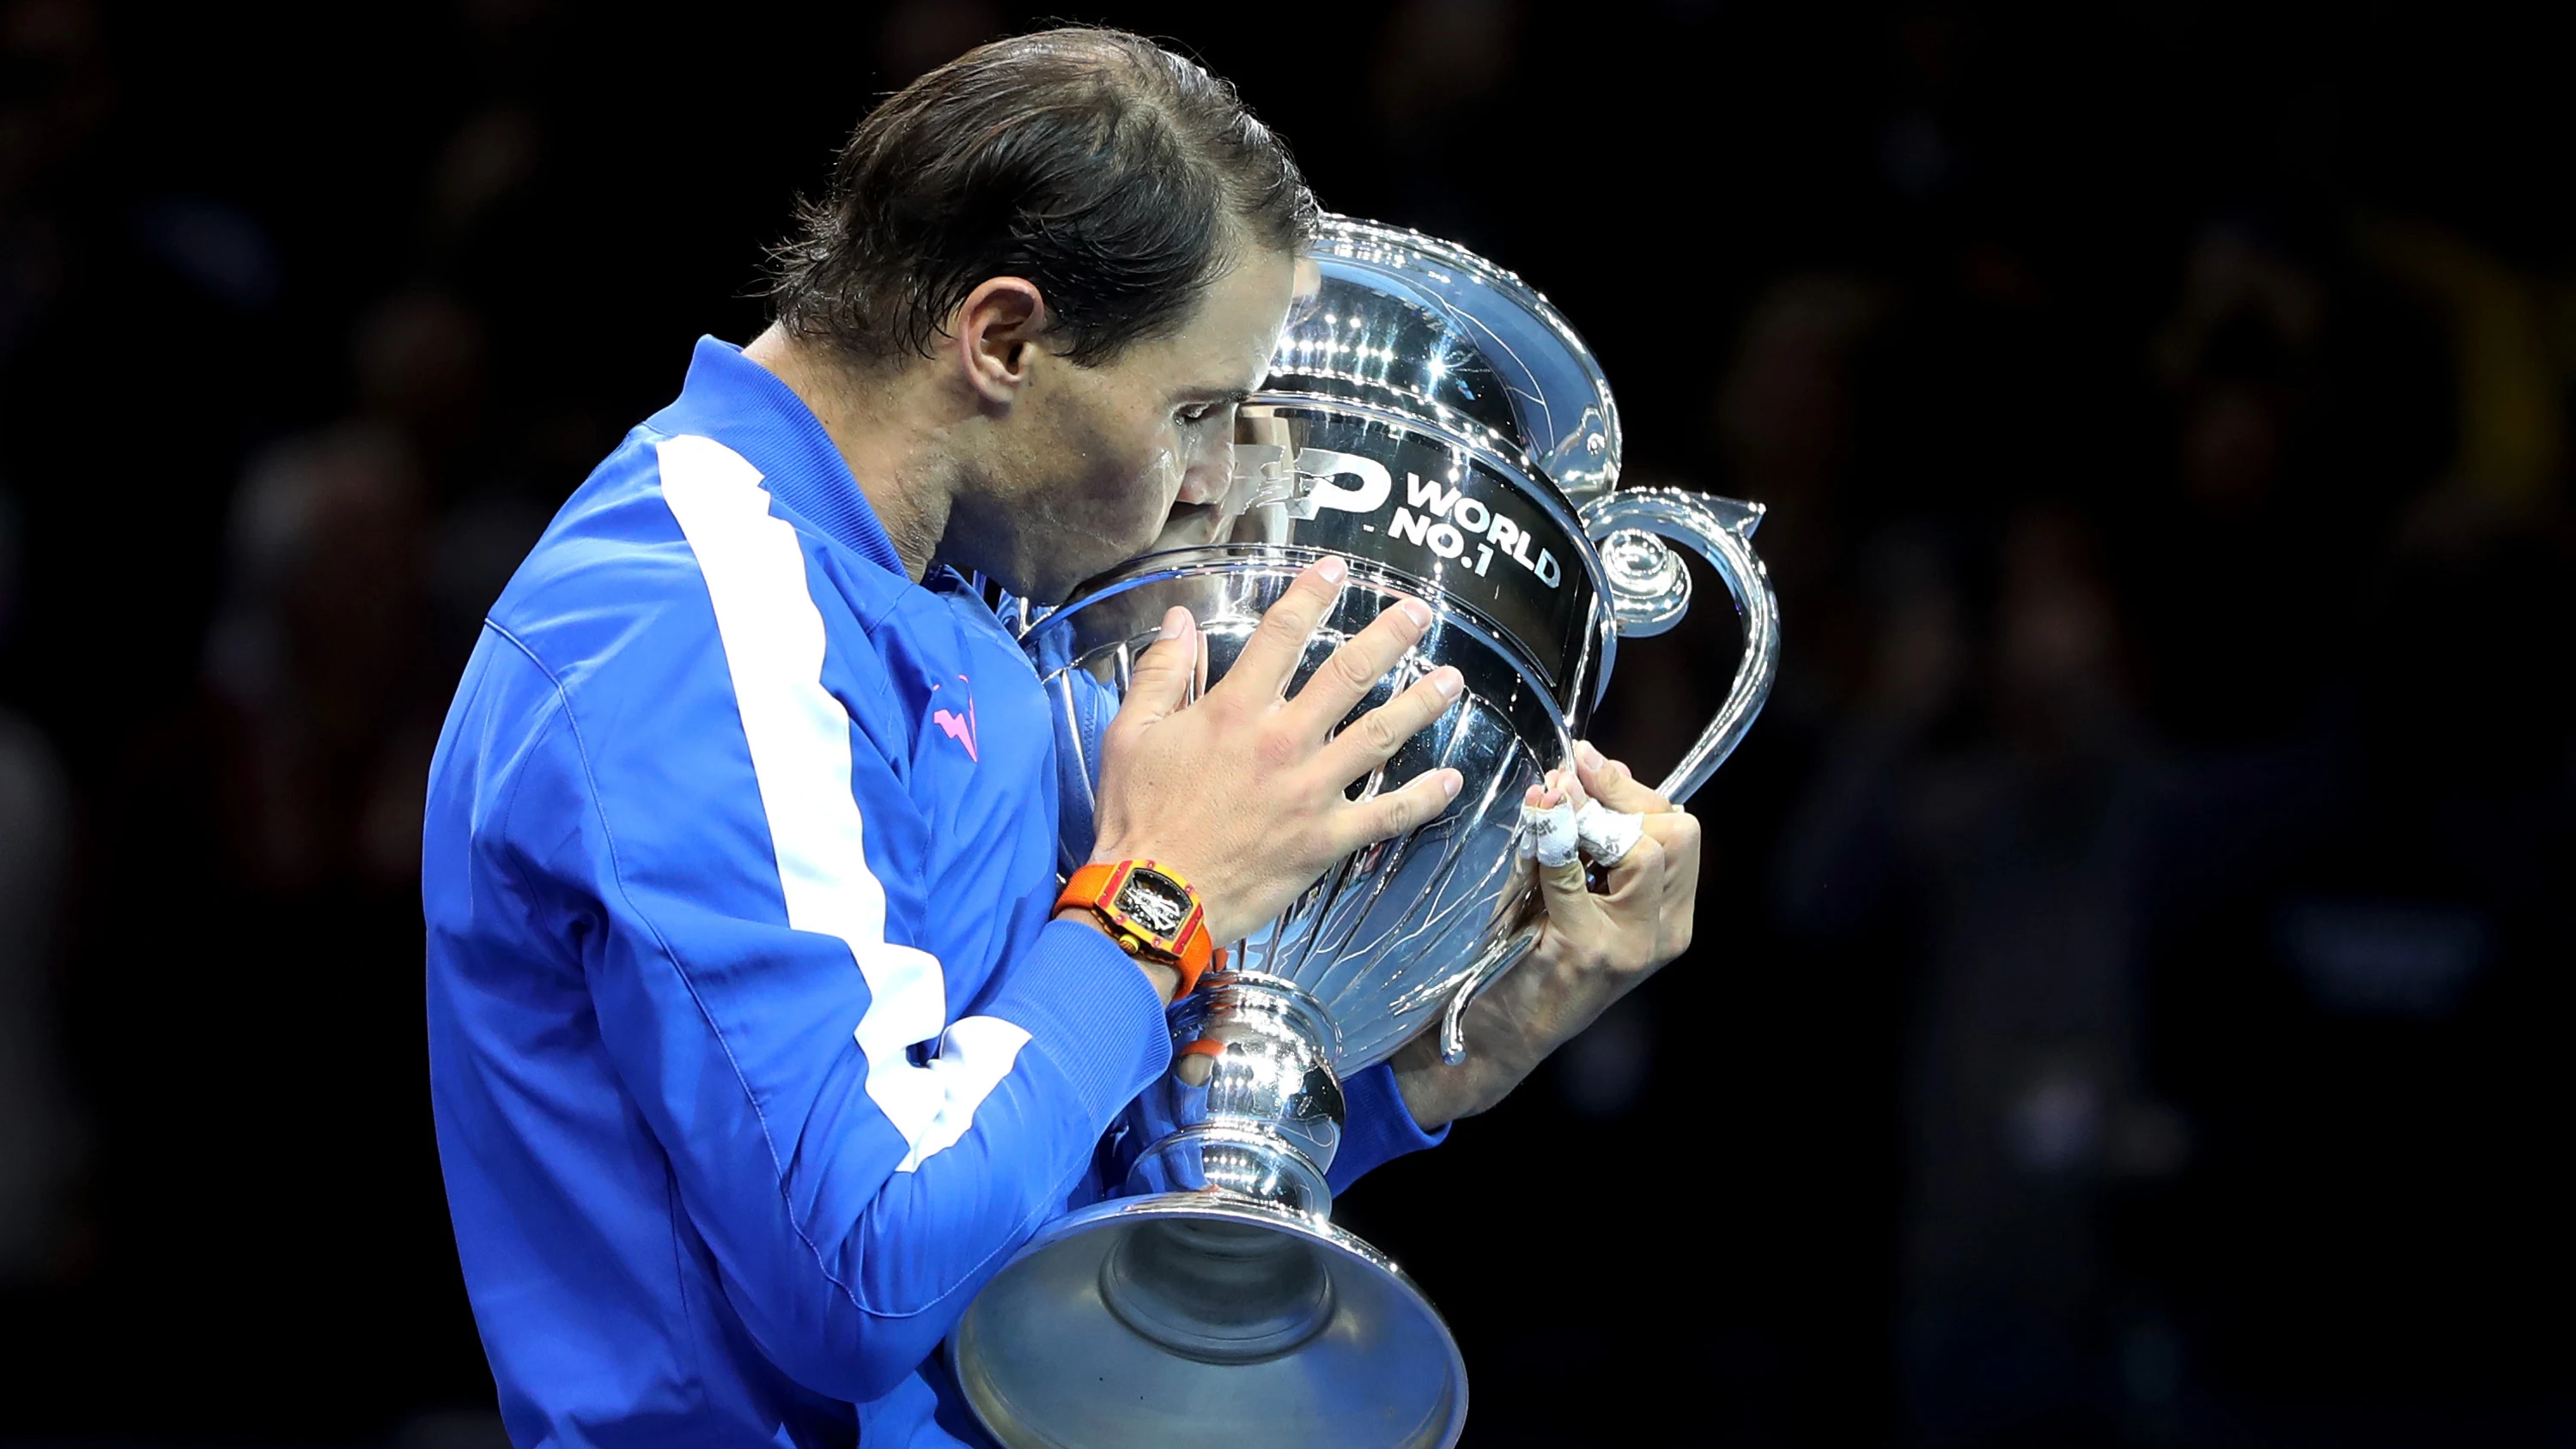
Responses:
[1592,950]
[1241,791]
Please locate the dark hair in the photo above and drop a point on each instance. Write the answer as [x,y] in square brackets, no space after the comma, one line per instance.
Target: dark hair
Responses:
[1113,174]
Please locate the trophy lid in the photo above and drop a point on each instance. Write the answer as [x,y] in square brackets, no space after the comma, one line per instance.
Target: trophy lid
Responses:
[1428,329]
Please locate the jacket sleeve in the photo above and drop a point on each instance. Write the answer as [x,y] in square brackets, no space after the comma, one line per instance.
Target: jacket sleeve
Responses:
[857,1151]
[1377,1127]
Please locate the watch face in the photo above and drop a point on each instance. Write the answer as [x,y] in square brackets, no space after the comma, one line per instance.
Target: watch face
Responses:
[1155,902]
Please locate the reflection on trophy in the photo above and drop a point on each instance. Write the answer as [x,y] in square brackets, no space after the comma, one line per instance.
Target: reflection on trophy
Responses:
[1437,423]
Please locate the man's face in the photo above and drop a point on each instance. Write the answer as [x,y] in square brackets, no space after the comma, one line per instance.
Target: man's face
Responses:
[1104,454]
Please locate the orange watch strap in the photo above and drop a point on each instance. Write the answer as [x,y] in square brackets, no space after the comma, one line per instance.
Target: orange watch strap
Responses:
[1206,961]
[1197,958]
[1085,887]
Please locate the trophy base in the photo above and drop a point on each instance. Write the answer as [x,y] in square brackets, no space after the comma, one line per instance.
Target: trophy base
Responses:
[1208,1315]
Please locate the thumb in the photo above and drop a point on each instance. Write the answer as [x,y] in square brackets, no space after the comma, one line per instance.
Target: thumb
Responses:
[1161,679]
[1614,785]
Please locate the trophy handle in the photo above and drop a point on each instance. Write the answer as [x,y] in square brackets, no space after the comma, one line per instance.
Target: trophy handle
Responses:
[1650,591]
[1498,958]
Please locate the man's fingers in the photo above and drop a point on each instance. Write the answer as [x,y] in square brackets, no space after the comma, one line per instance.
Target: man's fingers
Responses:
[1611,783]
[1568,899]
[1160,681]
[1677,835]
[1574,914]
[1636,883]
[1354,669]
[1271,654]
[1677,832]
[1655,890]
[1373,738]
[1363,823]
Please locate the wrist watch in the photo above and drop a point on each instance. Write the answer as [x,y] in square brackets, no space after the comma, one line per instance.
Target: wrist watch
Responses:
[1150,911]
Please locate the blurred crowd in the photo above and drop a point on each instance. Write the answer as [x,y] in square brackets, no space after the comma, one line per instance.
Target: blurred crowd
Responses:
[2129,976]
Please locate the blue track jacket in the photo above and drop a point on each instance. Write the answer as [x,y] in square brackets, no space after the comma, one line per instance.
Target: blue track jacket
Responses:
[753,1049]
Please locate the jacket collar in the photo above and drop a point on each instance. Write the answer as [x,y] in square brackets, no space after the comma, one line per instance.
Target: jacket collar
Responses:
[743,405]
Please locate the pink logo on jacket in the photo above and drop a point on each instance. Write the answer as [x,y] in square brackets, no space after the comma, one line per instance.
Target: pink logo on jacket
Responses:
[960,728]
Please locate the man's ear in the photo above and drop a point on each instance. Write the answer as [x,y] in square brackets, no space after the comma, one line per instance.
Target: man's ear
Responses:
[1000,331]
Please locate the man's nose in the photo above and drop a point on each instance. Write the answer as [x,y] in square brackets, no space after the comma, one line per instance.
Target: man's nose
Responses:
[1209,474]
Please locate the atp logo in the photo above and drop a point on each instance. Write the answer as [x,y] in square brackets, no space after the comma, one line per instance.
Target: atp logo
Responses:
[960,728]
[1448,522]
[1323,470]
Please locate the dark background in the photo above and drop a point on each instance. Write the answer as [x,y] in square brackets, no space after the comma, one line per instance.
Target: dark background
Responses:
[2134,962]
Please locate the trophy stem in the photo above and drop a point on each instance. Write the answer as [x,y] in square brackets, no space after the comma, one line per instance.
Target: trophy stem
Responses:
[1257,1163]
[1251,1105]
[1250,1112]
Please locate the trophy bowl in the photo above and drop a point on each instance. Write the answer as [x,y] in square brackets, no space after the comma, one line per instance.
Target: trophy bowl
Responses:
[1436,423]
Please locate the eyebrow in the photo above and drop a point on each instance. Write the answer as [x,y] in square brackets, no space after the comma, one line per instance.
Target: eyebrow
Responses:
[1236,395]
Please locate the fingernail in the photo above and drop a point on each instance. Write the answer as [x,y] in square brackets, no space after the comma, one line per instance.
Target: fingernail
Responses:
[1418,611]
[1450,780]
[1174,621]
[1591,757]
[1332,570]
[1448,681]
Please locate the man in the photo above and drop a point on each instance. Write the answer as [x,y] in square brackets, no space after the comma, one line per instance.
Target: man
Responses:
[758,1041]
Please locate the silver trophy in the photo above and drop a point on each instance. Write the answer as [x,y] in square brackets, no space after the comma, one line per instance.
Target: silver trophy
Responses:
[1434,421]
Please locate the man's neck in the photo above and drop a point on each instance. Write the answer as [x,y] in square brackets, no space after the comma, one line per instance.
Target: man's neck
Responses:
[885,431]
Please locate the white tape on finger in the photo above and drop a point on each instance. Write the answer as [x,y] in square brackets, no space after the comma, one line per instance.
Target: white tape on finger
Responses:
[1605,834]
[1548,832]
